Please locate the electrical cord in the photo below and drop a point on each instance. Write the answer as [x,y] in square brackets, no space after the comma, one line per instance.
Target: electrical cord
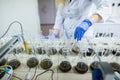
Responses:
[28,74]
[34,73]
[10,27]
[9,73]
[45,72]
[7,66]
[16,77]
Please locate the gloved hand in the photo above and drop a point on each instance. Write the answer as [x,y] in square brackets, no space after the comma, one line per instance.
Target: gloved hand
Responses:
[81,29]
[53,36]
[97,74]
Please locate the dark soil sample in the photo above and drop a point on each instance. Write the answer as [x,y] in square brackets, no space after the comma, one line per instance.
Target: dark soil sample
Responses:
[90,52]
[14,63]
[115,66]
[81,67]
[41,50]
[46,63]
[93,65]
[3,61]
[52,51]
[76,50]
[65,66]
[32,62]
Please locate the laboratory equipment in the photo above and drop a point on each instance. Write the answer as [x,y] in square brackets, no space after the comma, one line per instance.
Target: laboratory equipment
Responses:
[6,72]
[60,51]
[104,47]
[17,50]
[3,61]
[90,52]
[115,66]
[45,72]
[116,52]
[2,73]
[5,49]
[75,47]
[76,50]
[107,71]
[40,50]
[31,50]
[93,65]
[81,67]
[52,50]
[32,62]
[14,63]
[46,63]
[10,44]
[65,66]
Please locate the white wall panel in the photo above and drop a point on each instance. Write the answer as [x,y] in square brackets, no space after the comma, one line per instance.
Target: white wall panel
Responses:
[24,11]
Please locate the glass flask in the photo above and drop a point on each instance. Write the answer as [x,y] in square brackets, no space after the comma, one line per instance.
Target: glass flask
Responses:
[81,61]
[64,63]
[32,62]
[46,61]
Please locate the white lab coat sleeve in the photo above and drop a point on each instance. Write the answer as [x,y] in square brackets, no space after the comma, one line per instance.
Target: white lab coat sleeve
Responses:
[103,8]
[59,18]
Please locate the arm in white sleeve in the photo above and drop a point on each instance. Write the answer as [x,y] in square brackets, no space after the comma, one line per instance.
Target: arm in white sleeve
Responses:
[59,20]
[103,8]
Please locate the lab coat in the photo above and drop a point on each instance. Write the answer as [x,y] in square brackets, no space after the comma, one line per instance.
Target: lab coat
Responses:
[70,15]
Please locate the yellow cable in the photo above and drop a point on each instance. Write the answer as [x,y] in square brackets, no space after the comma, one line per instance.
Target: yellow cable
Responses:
[2,69]
[26,47]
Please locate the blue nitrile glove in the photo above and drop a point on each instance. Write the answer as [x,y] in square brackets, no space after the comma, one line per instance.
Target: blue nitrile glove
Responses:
[53,36]
[81,29]
[97,74]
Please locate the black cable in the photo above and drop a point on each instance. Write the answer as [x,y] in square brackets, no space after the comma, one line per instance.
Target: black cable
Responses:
[16,77]
[45,72]
[11,75]
[34,73]
[10,27]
